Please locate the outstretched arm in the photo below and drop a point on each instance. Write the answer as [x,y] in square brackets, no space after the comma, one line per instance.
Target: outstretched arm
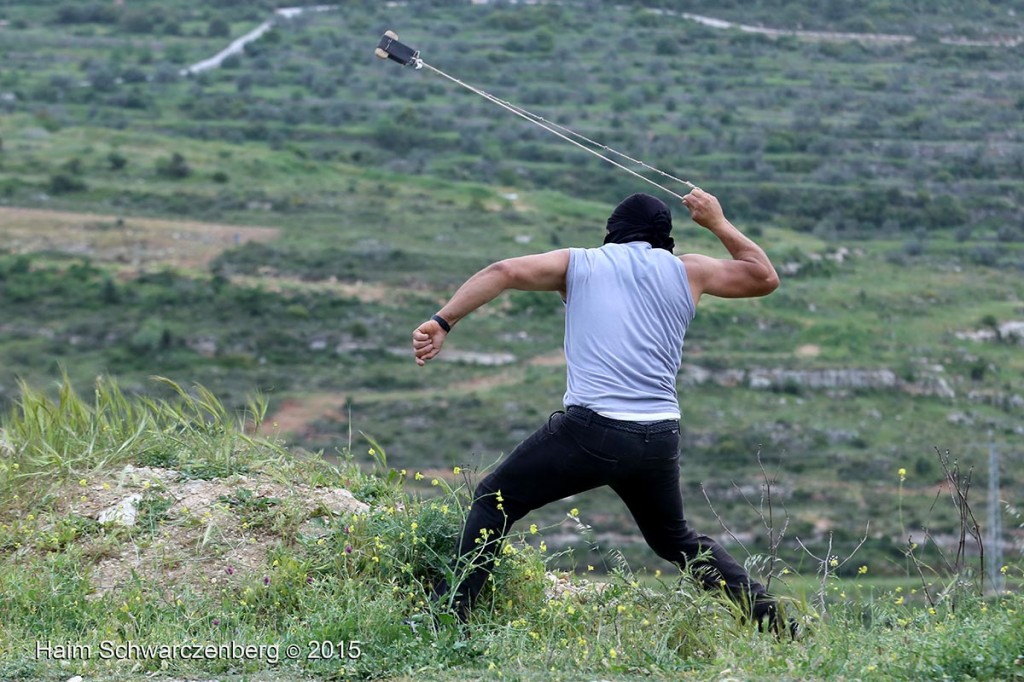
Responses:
[750,273]
[540,272]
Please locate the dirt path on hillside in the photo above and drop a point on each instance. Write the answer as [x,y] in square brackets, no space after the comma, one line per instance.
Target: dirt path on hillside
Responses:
[836,36]
[1006,41]
[237,46]
[130,244]
[296,415]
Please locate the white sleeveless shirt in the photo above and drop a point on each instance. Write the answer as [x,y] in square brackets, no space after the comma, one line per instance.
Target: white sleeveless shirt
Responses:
[627,310]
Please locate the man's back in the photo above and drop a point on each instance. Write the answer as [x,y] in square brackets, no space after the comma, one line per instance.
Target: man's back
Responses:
[627,310]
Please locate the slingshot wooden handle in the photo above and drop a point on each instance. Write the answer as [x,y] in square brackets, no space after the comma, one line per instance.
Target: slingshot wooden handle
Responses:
[390,48]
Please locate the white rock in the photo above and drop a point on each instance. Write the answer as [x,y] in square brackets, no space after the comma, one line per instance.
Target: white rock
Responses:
[123,513]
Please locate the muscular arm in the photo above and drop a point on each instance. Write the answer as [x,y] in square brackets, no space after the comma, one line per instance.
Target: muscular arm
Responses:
[540,272]
[750,273]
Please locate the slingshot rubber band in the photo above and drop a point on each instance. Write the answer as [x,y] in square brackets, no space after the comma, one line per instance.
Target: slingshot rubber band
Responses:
[390,48]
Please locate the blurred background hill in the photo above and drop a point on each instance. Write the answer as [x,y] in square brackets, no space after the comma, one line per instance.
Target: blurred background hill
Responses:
[281,222]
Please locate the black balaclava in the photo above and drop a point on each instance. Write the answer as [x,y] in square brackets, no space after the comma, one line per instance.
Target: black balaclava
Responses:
[641,218]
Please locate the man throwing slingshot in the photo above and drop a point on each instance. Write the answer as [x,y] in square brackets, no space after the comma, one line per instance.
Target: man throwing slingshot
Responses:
[628,306]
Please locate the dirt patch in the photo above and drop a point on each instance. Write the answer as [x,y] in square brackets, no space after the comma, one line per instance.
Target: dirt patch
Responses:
[132,244]
[362,291]
[296,415]
[808,350]
[195,532]
[553,359]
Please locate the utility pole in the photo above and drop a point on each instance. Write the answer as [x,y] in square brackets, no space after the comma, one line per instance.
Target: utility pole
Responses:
[995,522]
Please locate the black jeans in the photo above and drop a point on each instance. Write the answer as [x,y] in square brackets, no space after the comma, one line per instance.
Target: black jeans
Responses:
[578,451]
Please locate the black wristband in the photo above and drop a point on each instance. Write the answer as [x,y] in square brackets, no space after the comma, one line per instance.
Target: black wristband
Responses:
[443,322]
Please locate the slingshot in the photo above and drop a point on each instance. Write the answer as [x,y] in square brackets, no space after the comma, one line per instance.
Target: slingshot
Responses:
[390,48]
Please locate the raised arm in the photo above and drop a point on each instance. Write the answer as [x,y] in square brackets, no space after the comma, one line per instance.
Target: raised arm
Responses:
[750,273]
[540,272]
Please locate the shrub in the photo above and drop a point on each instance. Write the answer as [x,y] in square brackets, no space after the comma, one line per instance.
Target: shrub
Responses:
[174,168]
[116,161]
[62,183]
[86,13]
[218,28]
[138,21]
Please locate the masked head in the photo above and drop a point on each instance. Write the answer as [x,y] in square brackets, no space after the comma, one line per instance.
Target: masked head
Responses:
[641,218]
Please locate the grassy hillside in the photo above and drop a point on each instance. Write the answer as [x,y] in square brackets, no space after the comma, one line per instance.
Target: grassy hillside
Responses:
[160,538]
[347,197]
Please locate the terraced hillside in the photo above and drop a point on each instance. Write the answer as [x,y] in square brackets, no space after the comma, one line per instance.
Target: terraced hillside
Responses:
[346,197]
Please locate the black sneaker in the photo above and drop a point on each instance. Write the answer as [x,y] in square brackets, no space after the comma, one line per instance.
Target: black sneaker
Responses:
[766,614]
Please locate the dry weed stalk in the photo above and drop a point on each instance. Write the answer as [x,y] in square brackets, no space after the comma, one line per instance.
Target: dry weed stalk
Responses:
[765,510]
[958,485]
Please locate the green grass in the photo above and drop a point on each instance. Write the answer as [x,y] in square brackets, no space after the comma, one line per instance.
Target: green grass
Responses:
[337,595]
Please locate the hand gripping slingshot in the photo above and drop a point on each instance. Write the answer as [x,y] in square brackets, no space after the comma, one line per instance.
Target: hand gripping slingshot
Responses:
[390,48]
